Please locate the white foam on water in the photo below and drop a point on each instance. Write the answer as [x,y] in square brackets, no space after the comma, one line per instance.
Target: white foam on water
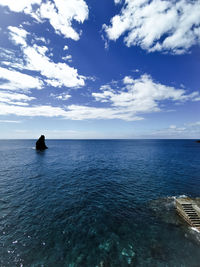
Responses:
[195,229]
[195,234]
[180,196]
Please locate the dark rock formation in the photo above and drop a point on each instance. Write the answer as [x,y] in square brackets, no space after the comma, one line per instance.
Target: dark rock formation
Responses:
[40,144]
[198,141]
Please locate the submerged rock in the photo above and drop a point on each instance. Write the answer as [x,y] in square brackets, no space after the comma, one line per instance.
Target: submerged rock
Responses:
[40,144]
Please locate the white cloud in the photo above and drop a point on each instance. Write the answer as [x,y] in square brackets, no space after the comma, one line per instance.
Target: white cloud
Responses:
[20,6]
[142,95]
[76,112]
[59,13]
[40,110]
[9,121]
[14,80]
[63,96]
[14,65]
[188,130]
[72,112]
[175,129]
[14,98]
[68,57]
[193,124]
[136,70]
[40,39]
[55,74]
[128,80]
[62,12]
[129,102]
[18,35]
[9,58]
[172,126]
[157,25]
[65,47]
[117,1]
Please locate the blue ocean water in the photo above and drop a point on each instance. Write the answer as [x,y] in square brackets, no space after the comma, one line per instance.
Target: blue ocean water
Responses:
[97,203]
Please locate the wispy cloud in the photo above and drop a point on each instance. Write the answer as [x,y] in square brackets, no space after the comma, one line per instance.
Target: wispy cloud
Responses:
[129,99]
[14,80]
[63,96]
[141,96]
[32,111]
[9,121]
[55,74]
[68,58]
[187,130]
[156,25]
[14,98]
[193,124]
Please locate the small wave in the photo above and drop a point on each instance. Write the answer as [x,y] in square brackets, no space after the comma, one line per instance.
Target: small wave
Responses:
[175,197]
[195,229]
[181,196]
[194,234]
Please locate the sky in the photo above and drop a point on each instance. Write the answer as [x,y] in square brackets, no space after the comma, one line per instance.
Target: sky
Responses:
[89,69]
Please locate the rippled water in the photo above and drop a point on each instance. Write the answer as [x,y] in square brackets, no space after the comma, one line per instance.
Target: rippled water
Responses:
[97,203]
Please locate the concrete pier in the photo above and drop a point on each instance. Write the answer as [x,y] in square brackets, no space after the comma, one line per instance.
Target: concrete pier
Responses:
[188,209]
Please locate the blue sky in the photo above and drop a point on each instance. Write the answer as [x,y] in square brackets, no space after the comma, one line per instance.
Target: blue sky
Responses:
[99,69]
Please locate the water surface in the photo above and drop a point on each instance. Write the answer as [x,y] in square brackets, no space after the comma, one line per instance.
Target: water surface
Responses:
[97,203]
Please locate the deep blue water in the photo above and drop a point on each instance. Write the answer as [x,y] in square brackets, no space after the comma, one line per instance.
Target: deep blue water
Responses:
[97,203]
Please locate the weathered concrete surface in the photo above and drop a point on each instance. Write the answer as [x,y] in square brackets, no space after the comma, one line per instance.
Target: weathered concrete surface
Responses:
[189,210]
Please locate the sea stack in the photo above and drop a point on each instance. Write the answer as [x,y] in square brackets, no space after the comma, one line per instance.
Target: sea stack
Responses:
[40,144]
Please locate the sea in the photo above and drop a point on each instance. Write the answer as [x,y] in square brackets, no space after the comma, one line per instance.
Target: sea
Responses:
[97,203]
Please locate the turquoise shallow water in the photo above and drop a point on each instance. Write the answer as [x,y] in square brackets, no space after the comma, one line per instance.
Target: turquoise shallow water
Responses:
[97,203]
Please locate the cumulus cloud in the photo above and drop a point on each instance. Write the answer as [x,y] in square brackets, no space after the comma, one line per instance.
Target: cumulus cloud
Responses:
[65,47]
[156,25]
[55,74]
[59,13]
